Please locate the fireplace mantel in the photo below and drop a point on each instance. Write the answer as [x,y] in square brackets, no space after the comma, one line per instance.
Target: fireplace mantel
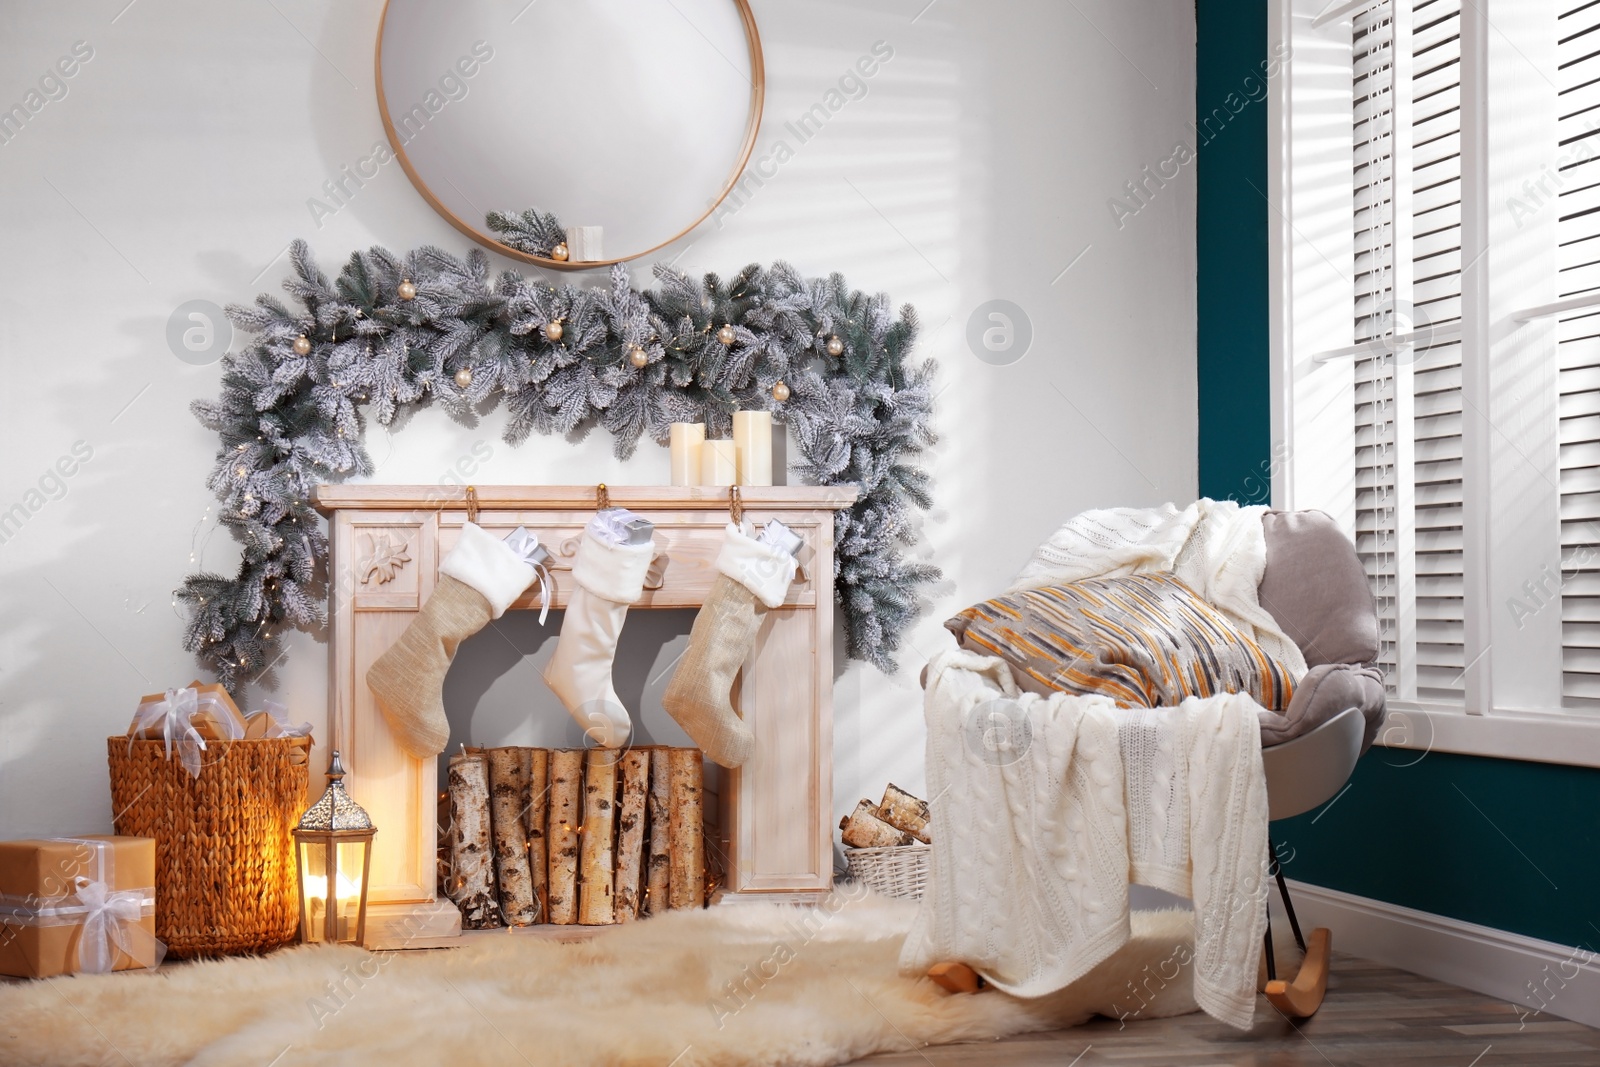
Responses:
[776,811]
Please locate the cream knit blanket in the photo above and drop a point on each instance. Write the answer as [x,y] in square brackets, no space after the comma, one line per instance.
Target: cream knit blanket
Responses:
[1215,547]
[1045,809]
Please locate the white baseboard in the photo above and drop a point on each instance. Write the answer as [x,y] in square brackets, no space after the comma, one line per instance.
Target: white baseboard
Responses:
[1551,980]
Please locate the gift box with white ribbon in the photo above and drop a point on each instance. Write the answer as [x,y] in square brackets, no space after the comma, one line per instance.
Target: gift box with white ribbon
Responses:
[77,905]
[186,719]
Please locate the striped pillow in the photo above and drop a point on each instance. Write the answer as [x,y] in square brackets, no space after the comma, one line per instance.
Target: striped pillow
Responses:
[1144,640]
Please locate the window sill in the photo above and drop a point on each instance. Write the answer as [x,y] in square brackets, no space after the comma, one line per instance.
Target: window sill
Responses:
[1567,737]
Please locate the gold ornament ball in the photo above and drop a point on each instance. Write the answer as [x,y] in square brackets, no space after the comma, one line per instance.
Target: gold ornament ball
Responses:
[464,377]
[780,392]
[725,335]
[553,330]
[559,252]
[407,290]
[639,357]
[835,346]
[302,345]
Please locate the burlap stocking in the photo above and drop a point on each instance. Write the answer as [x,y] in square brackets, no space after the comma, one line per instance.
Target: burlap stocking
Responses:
[753,578]
[478,580]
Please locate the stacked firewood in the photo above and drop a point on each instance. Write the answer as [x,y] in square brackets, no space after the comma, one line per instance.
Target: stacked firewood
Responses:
[589,836]
[898,820]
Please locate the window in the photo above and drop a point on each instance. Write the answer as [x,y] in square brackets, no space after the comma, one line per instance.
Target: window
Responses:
[1407,281]
[1578,273]
[1436,347]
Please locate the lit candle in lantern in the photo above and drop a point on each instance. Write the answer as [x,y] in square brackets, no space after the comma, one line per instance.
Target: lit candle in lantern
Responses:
[687,439]
[347,898]
[719,463]
[752,438]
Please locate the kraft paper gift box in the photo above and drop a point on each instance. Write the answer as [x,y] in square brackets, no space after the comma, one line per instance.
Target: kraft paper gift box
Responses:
[215,718]
[77,905]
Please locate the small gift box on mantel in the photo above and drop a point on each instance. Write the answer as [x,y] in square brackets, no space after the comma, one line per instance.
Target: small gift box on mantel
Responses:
[77,905]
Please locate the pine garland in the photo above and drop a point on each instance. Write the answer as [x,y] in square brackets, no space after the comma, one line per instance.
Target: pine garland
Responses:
[289,421]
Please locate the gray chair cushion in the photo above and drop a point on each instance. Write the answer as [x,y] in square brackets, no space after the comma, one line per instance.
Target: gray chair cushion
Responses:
[1325,691]
[1316,589]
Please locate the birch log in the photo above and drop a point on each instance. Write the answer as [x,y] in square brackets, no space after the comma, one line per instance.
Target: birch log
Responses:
[538,822]
[566,791]
[863,829]
[472,879]
[630,834]
[658,871]
[905,812]
[687,851]
[508,805]
[595,904]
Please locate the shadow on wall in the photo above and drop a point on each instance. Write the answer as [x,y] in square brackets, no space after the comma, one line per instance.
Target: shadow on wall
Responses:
[66,605]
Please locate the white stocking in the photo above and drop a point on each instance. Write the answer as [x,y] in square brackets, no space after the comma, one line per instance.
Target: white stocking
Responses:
[609,578]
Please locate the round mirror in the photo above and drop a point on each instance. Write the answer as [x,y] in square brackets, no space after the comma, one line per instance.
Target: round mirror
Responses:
[571,133]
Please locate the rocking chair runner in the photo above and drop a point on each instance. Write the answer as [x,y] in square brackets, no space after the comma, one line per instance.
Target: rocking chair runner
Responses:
[1316,589]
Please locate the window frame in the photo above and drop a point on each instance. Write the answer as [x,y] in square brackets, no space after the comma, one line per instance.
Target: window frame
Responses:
[1512,678]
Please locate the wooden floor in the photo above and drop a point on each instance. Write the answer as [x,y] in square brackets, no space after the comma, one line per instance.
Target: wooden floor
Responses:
[1374,1017]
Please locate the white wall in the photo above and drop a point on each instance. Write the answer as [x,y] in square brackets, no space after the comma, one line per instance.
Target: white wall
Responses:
[179,165]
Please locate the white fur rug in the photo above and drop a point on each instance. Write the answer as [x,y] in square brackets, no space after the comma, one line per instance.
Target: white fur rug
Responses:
[748,984]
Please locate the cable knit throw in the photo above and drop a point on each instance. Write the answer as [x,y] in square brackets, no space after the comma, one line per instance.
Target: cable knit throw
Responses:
[1045,809]
[1215,546]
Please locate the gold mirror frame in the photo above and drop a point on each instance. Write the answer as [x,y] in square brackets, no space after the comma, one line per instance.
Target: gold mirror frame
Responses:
[758,93]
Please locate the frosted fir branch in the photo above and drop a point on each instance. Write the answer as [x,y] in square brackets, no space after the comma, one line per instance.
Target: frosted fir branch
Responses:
[287,422]
[531,231]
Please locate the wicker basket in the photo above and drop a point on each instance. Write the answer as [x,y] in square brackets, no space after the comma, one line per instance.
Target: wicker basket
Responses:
[225,872]
[896,870]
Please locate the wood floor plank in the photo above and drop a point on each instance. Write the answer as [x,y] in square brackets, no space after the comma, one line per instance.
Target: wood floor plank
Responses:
[1374,1016]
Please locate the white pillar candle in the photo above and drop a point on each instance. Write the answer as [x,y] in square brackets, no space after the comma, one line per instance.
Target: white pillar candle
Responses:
[584,243]
[719,463]
[687,438]
[752,438]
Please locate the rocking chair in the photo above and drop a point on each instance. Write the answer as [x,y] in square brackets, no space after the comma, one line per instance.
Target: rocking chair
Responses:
[1316,589]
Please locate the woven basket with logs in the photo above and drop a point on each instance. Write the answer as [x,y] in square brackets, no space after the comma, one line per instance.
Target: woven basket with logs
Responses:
[886,844]
[589,837]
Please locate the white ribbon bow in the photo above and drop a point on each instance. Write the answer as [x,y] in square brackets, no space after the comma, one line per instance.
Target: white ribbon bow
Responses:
[278,724]
[175,715]
[525,543]
[111,927]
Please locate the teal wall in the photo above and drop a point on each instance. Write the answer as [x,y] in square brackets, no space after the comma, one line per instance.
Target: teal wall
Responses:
[1231,249]
[1502,843]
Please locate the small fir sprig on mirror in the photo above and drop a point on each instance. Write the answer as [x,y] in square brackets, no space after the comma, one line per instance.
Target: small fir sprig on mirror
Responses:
[391,332]
[532,231]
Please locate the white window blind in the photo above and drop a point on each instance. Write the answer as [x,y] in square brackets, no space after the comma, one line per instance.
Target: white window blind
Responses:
[1407,228]
[1578,260]
[1436,348]
[1378,525]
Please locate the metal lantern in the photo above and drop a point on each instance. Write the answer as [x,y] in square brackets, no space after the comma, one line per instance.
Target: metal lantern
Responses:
[333,850]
